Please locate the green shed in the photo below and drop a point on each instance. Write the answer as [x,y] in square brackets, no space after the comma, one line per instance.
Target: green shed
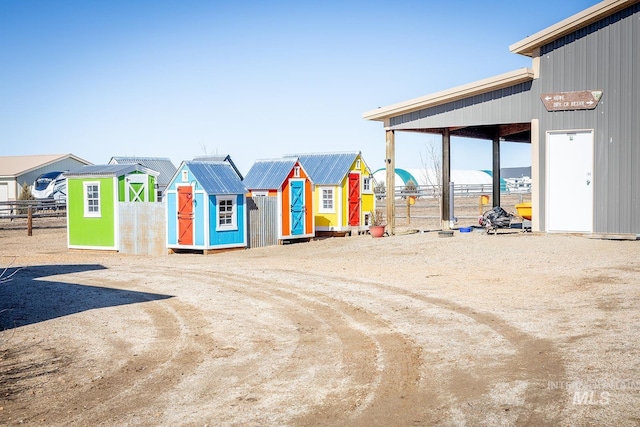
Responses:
[94,193]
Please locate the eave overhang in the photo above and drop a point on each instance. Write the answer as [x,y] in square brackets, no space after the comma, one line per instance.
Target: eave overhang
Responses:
[460,92]
[588,16]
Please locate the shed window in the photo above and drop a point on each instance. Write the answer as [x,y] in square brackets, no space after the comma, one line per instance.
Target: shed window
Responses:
[296,172]
[227,214]
[326,202]
[366,184]
[92,199]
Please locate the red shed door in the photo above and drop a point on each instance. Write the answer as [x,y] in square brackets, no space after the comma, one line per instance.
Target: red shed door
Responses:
[185,216]
[354,199]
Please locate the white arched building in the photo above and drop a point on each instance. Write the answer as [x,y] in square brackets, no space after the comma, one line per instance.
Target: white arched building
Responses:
[464,180]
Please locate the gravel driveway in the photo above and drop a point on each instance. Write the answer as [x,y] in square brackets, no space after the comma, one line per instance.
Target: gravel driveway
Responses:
[414,329]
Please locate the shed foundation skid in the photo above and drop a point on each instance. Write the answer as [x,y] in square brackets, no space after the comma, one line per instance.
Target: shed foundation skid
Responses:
[172,251]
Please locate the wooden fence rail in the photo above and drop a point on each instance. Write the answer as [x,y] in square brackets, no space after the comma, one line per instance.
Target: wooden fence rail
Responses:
[39,208]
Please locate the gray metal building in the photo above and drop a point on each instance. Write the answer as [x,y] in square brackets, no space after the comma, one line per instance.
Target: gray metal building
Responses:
[16,171]
[577,105]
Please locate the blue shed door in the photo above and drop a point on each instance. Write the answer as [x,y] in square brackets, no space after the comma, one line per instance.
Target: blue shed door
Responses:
[297,207]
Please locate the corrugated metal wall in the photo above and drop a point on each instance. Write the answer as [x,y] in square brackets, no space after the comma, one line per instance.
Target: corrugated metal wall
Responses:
[142,228]
[60,165]
[263,221]
[603,56]
[508,105]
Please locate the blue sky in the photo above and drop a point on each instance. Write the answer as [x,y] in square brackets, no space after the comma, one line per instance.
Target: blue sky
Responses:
[256,80]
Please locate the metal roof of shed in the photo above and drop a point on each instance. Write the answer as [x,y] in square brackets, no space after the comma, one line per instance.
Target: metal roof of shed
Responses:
[219,158]
[161,164]
[328,168]
[216,177]
[108,171]
[268,174]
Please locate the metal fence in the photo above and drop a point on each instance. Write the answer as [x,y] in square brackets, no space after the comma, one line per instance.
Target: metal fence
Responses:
[434,191]
[263,221]
[468,202]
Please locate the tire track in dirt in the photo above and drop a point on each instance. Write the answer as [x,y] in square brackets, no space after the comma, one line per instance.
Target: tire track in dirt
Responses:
[383,366]
[535,361]
[346,364]
[374,369]
[133,387]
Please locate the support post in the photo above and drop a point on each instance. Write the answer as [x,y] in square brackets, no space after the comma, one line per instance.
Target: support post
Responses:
[29,221]
[390,163]
[452,215]
[446,178]
[496,171]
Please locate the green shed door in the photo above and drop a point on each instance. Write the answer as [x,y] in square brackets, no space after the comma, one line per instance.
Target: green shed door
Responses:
[136,188]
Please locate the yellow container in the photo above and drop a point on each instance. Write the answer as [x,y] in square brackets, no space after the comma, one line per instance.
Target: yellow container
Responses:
[524,210]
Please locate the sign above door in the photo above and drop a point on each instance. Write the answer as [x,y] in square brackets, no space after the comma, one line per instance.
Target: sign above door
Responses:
[577,100]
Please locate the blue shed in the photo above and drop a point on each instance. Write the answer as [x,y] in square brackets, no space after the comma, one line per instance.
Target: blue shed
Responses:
[206,207]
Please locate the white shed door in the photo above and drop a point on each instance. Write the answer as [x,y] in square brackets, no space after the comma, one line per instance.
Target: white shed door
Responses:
[570,182]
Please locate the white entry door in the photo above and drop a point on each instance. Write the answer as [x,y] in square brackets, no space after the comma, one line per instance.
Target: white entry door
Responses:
[570,181]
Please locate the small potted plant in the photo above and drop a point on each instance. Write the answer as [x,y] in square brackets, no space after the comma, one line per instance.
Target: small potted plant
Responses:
[377,226]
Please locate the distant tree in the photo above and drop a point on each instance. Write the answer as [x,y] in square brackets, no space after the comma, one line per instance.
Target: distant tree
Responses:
[25,193]
[432,170]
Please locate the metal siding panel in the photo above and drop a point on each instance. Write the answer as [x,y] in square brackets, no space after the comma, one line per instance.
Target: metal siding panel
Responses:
[634,130]
[66,164]
[263,221]
[142,228]
[502,106]
[601,56]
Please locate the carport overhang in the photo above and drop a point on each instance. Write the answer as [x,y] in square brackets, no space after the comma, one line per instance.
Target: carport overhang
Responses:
[409,116]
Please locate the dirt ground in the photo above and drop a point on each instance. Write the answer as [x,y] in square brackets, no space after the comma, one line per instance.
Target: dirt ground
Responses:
[413,329]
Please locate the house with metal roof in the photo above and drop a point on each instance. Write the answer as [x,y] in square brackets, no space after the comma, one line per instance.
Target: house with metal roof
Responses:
[206,207]
[343,199]
[95,198]
[160,164]
[281,202]
[577,106]
[15,171]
